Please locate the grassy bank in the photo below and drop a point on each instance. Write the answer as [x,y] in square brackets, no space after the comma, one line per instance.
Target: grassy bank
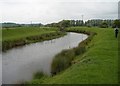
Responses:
[0,34]
[13,37]
[98,65]
[65,58]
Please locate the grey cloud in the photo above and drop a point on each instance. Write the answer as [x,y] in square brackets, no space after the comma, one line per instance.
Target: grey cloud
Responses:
[46,11]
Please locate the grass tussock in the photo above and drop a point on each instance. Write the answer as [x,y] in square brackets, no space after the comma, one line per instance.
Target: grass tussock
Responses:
[62,61]
[38,75]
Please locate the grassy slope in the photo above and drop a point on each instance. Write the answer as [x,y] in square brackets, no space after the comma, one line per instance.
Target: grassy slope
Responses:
[0,34]
[22,32]
[0,39]
[102,67]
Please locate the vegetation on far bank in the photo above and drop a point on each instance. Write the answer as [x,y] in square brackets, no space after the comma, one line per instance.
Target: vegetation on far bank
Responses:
[22,32]
[18,36]
[98,65]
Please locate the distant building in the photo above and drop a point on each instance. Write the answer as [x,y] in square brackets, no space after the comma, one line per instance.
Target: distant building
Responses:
[119,10]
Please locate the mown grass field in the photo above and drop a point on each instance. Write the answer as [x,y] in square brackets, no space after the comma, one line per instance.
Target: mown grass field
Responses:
[22,32]
[98,65]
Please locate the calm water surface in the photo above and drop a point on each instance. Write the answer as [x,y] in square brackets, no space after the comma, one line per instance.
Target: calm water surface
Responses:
[19,64]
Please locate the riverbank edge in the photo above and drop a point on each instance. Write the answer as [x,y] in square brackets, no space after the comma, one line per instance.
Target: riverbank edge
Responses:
[64,59]
[6,45]
[81,45]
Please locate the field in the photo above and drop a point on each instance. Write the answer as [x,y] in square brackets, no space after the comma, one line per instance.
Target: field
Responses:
[98,65]
[22,32]
[18,36]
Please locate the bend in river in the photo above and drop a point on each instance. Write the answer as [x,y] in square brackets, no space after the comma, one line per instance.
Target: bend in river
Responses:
[19,64]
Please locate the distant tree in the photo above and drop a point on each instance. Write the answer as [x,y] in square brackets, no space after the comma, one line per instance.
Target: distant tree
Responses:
[72,22]
[117,23]
[104,25]
[63,24]
[77,23]
[98,23]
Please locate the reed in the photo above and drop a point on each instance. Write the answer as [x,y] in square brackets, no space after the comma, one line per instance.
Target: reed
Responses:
[38,75]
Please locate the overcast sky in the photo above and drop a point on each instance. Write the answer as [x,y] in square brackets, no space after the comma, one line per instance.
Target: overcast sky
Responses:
[47,11]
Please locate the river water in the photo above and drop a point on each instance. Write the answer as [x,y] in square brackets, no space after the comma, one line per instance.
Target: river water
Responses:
[20,63]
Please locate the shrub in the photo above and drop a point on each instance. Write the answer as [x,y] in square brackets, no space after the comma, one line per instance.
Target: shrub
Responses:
[38,75]
[79,50]
[62,61]
[104,25]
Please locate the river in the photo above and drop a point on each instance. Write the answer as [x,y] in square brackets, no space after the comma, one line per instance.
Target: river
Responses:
[19,64]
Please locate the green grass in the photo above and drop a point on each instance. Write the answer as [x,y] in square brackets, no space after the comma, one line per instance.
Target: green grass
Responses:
[0,35]
[98,65]
[22,32]
[64,59]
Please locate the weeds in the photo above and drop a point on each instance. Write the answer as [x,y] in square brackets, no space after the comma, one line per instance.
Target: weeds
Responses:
[38,75]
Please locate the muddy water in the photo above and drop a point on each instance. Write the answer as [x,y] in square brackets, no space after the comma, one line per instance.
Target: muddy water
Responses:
[19,64]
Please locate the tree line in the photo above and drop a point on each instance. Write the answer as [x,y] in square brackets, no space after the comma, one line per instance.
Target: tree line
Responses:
[71,23]
[89,23]
[10,25]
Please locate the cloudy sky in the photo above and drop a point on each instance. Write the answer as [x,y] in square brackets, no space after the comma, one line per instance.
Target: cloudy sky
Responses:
[47,11]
